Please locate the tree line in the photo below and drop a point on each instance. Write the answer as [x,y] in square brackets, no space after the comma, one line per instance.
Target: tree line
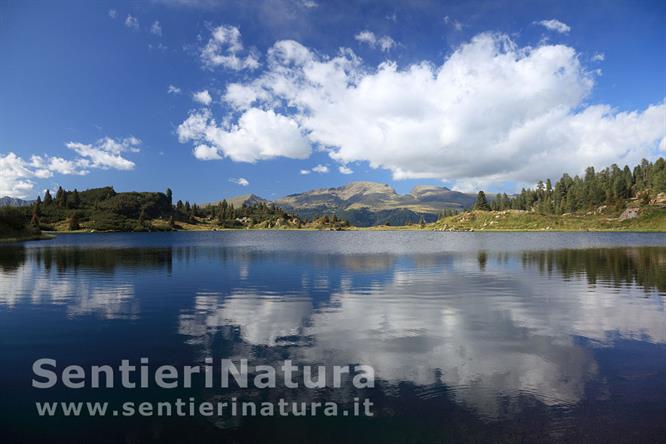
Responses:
[610,187]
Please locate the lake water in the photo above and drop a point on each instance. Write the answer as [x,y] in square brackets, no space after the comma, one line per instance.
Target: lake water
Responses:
[480,337]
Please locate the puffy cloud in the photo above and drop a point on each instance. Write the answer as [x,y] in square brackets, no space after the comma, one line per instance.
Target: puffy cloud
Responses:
[598,57]
[17,175]
[202,97]
[67,167]
[172,89]
[345,170]
[14,176]
[309,4]
[257,135]
[492,112]
[384,43]
[156,28]
[222,50]
[205,152]
[240,181]
[321,169]
[555,25]
[107,152]
[113,13]
[132,22]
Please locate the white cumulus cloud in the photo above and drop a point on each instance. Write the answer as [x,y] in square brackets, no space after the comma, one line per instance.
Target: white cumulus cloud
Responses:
[113,13]
[345,170]
[205,152]
[172,89]
[598,57]
[14,176]
[555,25]
[321,169]
[107,152]
[240,181]
[223,49]
[257,135]
[202,97]
[491,112]
[17,175]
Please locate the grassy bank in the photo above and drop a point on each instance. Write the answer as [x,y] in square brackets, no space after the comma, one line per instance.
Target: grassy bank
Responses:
[25,237]
[649,219]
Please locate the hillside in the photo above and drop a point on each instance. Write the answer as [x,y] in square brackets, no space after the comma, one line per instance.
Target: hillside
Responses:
[371,203]
[646,218]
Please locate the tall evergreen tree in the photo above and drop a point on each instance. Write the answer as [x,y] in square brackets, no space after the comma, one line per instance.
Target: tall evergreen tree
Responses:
[60,199]
[36,213]
[74,221]
[74,201]
[169,195]
[481,202]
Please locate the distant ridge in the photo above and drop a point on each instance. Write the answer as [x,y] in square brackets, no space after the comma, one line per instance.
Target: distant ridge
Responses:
[373,203]
[375,196]
[14,202]
[367,203]
[244,200]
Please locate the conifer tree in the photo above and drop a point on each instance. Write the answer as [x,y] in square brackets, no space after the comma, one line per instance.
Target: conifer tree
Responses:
[75,200]
[61,198]
[74,222]
[36,213]
[169,195]
[481,202]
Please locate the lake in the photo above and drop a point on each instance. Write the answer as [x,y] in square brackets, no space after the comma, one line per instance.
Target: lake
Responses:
[539,337]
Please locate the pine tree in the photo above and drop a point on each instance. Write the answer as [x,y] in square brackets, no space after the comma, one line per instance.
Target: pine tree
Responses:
[74,222]
[36,213]
[48,200]
[481,202]
[169,195]
[75,200]
[61,198]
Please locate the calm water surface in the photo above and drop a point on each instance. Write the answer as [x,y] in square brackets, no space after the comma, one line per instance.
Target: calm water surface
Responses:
[473,336]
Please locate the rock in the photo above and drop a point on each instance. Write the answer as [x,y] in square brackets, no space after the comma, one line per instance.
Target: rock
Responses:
[629,213]
[659,200]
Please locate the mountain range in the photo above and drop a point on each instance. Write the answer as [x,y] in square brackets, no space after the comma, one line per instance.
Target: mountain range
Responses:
[14,202]
[369,203]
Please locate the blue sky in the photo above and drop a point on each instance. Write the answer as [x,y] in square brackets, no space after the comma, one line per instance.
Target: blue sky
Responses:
[485,94]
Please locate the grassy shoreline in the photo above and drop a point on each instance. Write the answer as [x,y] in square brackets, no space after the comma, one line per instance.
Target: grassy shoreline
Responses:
[27,237]
[650,220]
